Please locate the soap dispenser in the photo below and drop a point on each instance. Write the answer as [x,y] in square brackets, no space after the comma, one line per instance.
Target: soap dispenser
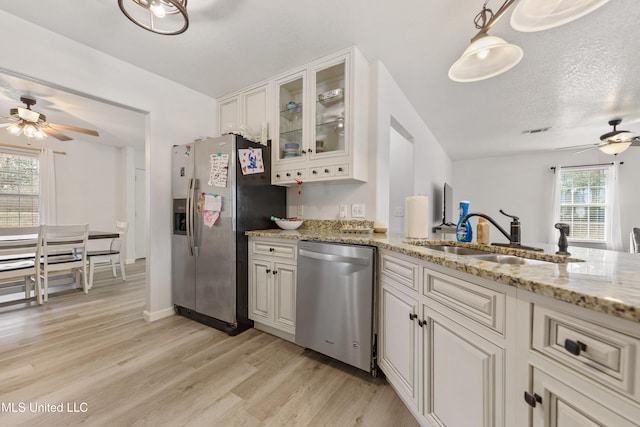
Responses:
[464,233]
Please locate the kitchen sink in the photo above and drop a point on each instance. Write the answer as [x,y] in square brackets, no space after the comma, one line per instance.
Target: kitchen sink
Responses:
[457,250]
[510,259]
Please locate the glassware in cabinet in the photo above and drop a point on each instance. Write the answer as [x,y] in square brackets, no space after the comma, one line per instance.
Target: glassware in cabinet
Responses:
[330,124]
[290,118]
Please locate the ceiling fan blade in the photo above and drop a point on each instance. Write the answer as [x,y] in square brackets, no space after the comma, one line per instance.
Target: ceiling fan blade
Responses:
[584,151]
[73,129]
[5,125]
[54,133]
[575,147]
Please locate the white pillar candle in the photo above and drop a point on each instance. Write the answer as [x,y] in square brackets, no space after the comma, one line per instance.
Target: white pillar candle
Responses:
[416,217]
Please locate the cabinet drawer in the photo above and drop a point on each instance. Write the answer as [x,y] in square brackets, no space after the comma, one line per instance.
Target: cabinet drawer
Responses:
[272,248]
[594,351]
[404,272]
[289,176]
[484,305]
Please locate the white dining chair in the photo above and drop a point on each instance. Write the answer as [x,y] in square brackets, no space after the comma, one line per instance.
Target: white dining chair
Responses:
[110,256]
[62,247]
[19,248]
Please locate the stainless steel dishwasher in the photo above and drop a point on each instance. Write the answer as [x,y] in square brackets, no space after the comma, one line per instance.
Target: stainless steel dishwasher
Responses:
[335,302]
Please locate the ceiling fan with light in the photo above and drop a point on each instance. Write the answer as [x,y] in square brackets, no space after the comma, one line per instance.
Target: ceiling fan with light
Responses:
[614,142]
[32,124]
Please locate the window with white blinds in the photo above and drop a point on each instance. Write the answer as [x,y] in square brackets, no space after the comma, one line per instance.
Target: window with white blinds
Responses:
[19,190]
[583,202]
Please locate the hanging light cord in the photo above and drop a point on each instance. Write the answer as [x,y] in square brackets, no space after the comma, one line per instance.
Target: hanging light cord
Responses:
[485,19]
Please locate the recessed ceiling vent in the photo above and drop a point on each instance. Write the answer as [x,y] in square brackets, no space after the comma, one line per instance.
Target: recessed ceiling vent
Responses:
[539,130]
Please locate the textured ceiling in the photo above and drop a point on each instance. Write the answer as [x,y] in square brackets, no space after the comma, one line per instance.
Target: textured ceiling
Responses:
[572,79]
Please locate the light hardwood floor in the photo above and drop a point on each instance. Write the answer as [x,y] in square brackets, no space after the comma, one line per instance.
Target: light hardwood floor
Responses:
[94,354]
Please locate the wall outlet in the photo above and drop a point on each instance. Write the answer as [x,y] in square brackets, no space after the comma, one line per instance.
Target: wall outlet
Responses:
[300,213]
[357,210]
[342,213]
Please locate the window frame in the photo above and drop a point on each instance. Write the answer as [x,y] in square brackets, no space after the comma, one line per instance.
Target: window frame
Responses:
[606,206]
[4,151]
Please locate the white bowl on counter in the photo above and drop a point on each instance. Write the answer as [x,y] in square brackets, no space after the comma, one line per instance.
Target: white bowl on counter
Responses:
[286,224]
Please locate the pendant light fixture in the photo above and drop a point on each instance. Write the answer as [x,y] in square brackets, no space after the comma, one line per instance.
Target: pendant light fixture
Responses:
[167,17]
[488,56]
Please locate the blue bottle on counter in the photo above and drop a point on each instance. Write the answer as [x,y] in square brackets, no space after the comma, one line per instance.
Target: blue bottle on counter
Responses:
[464,233]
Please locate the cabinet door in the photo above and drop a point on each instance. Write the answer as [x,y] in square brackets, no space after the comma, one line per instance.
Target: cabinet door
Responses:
[399,349]
[229,119]
[255,106]
[464,383]
[285,296]
[562,406]
[289,139]
[330,109]
[260,293]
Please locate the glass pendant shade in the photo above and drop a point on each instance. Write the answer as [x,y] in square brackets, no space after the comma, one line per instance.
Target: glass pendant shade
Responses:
[29,130]
[539,15]
[486,57]
[168,17]
[15,129]
[614,147]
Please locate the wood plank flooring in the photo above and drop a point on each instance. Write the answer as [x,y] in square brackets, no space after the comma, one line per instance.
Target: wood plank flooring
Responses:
[94,357]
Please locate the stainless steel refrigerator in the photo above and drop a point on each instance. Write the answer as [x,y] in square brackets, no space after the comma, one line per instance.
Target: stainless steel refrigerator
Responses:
[210,261]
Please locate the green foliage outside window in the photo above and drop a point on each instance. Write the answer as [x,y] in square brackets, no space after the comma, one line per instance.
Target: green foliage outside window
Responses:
[583,200]
[19,190]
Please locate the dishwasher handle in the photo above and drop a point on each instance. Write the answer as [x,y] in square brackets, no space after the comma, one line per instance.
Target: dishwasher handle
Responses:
[333,258]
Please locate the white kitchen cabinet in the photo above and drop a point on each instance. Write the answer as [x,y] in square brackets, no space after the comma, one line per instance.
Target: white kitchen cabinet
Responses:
[272,285]
[464,375]
[246,111]
[398,341]
[582,366]
[443,344]
[321,124]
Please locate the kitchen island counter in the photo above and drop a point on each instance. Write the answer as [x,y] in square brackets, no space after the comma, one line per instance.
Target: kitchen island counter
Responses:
[600,280]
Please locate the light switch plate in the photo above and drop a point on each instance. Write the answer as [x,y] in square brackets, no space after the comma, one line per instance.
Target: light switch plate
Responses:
[357,210]
[343,211]
[300,213]
[398,211]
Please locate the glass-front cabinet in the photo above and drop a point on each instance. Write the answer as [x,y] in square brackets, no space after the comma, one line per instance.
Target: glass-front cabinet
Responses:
[292,132]
[330,108]
[321,120]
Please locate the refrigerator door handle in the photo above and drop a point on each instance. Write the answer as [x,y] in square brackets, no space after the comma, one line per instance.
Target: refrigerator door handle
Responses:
[190,216]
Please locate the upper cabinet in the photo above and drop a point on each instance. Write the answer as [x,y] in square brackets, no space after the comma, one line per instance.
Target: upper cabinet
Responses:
[317,117]
[322,124]
[247,112]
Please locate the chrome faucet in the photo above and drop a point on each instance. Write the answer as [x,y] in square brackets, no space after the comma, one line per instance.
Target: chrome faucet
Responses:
[513,236]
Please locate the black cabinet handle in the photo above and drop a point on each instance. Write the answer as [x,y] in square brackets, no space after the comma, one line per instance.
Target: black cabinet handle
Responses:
[268,270]
[326,171]
[275,272]
[288,174]
[413,316]
[299,174]
[277,175]
[532,399]
[422,323]
[339,169]
[315,172]
[574,347]
[303,151]
[271,250]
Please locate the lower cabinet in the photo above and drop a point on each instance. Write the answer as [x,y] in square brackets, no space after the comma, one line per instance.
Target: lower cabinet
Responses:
[400,351]
[463,373]
[441,363]
[272,286]
[558,405]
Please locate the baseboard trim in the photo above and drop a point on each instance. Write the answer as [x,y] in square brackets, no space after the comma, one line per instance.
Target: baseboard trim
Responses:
[157,315]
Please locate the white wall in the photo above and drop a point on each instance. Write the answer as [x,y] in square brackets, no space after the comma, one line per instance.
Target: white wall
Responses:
[176,115]
[432,166]
[522,185]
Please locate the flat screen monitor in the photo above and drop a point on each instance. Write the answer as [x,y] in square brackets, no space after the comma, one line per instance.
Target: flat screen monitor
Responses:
[447,205]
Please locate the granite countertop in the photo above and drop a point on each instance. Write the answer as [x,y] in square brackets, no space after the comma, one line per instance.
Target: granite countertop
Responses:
[604,281]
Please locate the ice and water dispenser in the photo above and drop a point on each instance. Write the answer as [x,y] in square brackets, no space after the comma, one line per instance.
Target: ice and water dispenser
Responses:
[179,216]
